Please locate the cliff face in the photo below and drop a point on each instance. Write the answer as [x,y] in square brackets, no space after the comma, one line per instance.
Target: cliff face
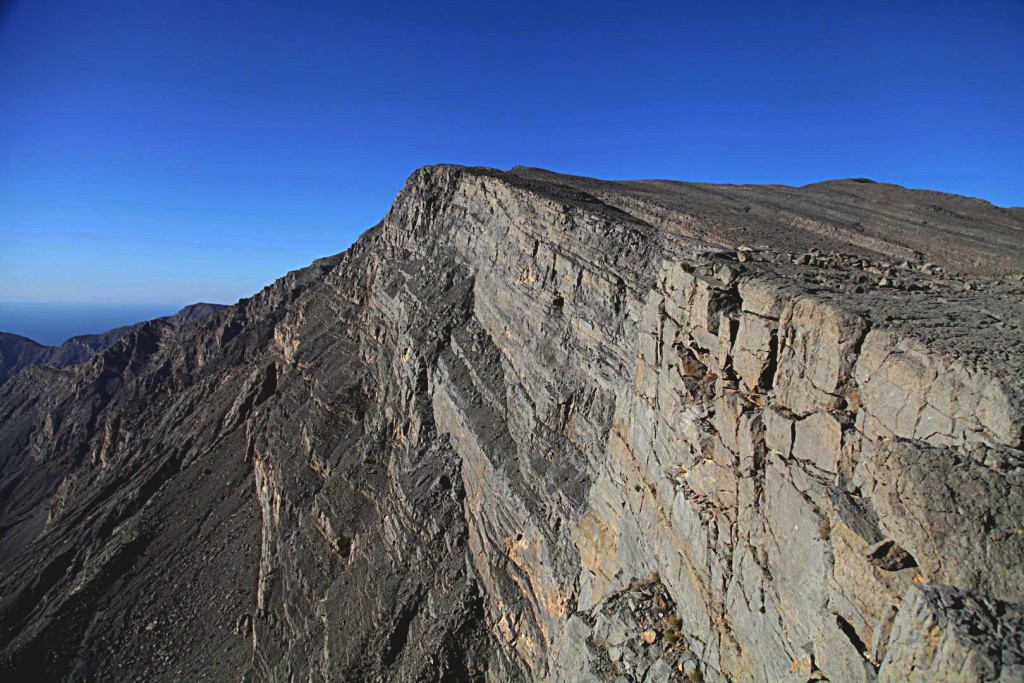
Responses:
[538,427]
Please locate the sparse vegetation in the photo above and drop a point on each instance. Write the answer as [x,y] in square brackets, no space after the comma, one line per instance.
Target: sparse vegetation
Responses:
[695,676]
[824,528]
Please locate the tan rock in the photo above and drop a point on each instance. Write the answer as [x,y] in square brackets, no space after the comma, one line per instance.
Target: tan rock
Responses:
[818,441]
[815,355]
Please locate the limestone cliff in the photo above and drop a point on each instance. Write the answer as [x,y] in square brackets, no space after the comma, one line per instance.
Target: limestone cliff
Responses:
[539,427]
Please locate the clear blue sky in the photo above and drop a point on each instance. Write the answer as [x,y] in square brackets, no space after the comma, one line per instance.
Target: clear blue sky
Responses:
[174,151]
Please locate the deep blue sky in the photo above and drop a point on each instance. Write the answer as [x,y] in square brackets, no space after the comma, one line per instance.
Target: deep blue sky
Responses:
[197,149]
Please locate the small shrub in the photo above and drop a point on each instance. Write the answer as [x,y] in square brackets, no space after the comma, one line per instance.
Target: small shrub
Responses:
[696,676]
[824,529]
[674,621]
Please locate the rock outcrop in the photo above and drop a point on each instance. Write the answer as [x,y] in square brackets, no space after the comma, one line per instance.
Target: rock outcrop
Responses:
[18,353]
[539,427]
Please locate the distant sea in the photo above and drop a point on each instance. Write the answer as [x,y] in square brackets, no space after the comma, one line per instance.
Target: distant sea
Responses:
[52,324]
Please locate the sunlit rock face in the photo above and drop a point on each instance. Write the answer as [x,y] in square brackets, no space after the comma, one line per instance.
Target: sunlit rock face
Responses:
[540,427]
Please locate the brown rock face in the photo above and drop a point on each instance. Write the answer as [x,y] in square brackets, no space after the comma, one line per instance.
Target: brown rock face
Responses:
[539,427]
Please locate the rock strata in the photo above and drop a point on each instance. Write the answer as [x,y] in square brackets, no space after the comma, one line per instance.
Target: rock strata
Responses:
[540,427]
[18,353]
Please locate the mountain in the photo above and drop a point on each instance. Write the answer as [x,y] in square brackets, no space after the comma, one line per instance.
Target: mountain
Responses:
[540,427]
[17,353]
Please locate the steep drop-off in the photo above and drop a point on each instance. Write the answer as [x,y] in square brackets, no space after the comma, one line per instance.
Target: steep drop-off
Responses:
[539,427]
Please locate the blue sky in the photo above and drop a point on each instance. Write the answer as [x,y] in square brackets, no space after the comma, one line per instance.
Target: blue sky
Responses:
[169,152]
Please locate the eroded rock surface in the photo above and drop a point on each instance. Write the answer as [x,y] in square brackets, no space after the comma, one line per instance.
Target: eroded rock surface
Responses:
[18,353]
[538,427]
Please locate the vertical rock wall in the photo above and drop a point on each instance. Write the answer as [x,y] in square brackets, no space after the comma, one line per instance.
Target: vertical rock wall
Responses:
[626,405]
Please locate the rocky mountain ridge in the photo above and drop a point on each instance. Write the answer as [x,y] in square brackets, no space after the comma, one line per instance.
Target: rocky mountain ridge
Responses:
[18,353]
[541,427]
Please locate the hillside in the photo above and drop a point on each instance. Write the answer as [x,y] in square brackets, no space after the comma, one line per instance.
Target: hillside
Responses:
[541,427]
[18,353]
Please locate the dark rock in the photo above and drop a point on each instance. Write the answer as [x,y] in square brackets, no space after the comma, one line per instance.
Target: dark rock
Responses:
[18,353]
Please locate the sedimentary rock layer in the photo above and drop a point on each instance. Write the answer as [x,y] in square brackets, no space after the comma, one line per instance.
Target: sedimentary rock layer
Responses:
[539,427]
[18,353]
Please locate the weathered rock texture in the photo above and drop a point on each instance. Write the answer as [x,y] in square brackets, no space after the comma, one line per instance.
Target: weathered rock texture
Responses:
[18,353]
[538,427]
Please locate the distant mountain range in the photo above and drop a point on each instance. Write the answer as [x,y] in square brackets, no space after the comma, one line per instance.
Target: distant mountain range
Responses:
[18,353]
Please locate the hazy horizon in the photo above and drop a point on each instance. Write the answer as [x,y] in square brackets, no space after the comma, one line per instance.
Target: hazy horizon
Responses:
[51,324]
